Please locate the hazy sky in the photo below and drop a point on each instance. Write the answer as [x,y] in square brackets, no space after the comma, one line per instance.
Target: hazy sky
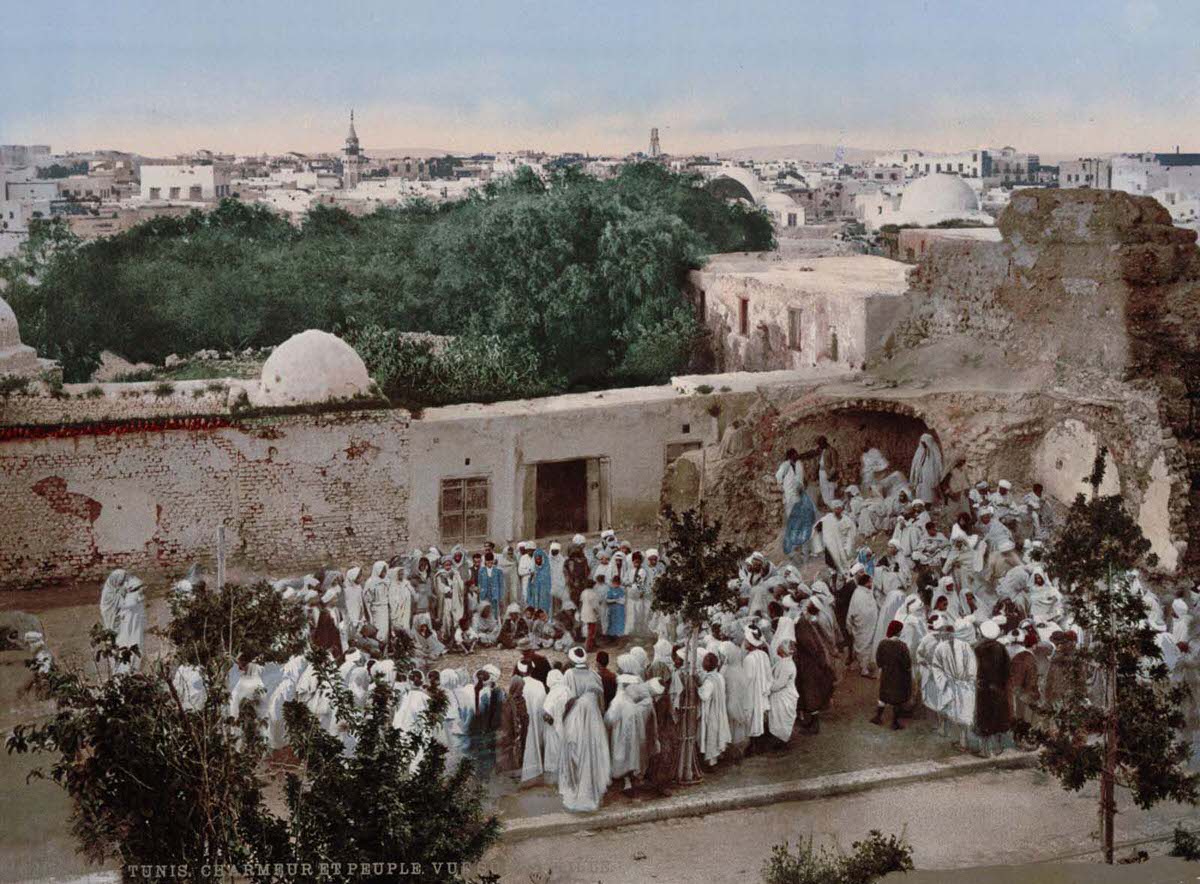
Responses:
[161,76]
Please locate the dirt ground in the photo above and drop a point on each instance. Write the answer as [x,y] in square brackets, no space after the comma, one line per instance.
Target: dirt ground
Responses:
[993,818]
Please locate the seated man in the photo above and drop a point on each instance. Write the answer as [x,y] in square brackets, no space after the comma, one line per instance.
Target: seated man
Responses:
[485,626]
[514,628]
[465,637]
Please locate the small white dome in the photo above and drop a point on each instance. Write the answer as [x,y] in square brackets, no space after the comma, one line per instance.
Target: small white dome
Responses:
[313,366]
[10,332]
[938,195]
[15,357]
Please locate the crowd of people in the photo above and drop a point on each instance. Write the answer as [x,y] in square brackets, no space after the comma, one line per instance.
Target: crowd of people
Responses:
[955,614]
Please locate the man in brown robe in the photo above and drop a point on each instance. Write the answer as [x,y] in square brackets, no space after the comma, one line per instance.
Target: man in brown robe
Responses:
[514,727]
[991,689]
[895,675]
[1023,681]
[814,670]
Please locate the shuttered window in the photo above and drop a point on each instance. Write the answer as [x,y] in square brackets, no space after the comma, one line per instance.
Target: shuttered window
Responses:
[463,509]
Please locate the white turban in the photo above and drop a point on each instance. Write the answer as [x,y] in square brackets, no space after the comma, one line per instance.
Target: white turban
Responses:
[577,655]
[1005,484]
[753,635]
[556,547]
[513,608]
[989,629]
[986,511]
[652,554]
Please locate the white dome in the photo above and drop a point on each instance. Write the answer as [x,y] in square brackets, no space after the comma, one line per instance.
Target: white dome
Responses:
[15,357]
[10,333]
[313,366]
[941,195]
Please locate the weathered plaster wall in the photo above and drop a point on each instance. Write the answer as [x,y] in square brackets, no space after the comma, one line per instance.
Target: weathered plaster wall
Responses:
[630,427]
[291,491]
[850,297]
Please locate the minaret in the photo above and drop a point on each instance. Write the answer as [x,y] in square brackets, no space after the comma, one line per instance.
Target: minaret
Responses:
[352,164]
[655,150]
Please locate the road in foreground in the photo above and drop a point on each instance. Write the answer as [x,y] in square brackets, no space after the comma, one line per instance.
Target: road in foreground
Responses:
[1005,817]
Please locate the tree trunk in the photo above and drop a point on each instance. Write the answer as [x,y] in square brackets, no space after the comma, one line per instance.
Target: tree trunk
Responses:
[689,771]
[1108,773]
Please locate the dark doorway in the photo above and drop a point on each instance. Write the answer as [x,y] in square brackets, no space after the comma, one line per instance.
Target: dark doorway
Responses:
[562,497]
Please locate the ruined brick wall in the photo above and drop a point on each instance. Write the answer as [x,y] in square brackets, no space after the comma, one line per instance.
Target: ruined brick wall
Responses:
[292,491]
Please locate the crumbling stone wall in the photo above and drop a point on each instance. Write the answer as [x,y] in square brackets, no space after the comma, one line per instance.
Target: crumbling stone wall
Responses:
[293,491]
[1013,435]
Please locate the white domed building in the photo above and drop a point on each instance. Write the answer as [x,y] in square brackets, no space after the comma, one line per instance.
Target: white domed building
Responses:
[928,201]
[312,366]
[15,357]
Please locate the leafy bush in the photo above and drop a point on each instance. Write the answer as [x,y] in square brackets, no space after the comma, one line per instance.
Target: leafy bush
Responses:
[208,626]
[867,861]
[1185,844]
[418,372]
[12,384]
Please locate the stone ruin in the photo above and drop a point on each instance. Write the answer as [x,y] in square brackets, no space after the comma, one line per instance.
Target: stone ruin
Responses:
[1080,329]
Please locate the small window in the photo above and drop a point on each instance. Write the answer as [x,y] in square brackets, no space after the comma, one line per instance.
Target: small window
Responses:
[174,193]
[743,316]
[791,222]
[702,307]
[155,193]
[833,347]
[463,509]
[794,329]
[194,192]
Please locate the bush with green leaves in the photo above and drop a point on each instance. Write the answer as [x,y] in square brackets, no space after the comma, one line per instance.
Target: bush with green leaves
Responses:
[156,783]
[417,372]
[868,861]
[210,625]
[1185,844]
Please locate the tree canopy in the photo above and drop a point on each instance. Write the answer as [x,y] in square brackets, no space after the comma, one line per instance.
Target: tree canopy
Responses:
[580,275]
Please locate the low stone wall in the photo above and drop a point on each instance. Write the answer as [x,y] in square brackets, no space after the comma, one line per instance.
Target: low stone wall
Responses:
[148,494]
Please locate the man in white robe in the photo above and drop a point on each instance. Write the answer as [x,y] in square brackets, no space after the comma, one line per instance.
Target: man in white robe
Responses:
[838,537]
[790,477]
[626,719]
[757,666]
[784,697]
[861,618]
[110,598]
[714,716]
[955,666]
[926,472]
[535,697]
[352,600]
[525,568]
[585,770]
[377,601]
[131,623]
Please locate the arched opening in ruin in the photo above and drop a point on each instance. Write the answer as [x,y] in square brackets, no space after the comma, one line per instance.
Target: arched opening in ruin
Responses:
[854,430]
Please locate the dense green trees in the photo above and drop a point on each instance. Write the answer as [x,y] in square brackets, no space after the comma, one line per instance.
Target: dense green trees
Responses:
[576,278]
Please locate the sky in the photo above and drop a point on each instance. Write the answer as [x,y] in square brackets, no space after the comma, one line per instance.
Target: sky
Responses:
[159,77]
